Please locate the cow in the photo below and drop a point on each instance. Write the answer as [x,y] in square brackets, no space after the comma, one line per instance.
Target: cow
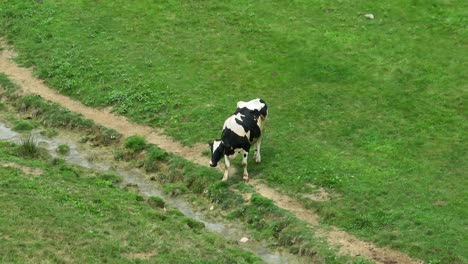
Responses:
[240,131]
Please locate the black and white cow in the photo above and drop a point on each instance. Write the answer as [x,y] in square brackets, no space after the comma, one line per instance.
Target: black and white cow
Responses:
[241,130]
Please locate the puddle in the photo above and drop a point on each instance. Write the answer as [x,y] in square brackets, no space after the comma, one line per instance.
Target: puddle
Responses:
[6,133]
[135,177]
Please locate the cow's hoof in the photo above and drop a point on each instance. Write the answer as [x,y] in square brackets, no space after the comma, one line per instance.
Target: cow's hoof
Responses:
[245,179]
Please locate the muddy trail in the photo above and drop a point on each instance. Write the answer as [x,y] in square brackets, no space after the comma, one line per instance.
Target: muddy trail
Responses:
[346,244]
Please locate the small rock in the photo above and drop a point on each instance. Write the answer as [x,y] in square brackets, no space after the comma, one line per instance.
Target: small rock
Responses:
[212,208]
[369,16]
[243,240]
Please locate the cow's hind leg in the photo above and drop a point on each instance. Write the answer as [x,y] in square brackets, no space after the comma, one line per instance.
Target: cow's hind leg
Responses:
[227,164]
[244,164]
[257,156]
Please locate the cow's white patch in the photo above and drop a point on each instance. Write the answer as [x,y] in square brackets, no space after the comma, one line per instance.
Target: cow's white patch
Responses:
[254,104]
[216,144]
[233,125]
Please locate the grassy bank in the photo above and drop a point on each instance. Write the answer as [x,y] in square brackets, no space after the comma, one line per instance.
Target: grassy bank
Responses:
[54,212]
[372,109]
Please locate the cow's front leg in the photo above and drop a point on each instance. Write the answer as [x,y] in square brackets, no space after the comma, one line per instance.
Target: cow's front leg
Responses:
[227,164]
[257,156]
[244,163]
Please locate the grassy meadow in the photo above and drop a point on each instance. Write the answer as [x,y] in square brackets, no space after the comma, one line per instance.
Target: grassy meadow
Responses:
[371,109]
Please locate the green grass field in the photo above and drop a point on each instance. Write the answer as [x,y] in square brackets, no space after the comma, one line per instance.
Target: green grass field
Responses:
[373,109]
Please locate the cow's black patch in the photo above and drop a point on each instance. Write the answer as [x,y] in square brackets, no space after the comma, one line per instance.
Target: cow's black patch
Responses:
[249,122]
[233,141]
[264,110]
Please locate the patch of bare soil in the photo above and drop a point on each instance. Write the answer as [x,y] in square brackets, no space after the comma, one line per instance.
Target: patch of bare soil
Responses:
[26,170]
[353,246]
[142,255]
[347,244]
[286,202]
[319,196]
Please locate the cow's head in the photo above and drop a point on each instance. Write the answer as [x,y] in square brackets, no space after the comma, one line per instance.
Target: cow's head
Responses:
[217,152]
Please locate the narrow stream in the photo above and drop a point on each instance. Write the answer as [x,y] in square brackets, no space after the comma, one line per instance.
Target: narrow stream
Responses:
[135,177]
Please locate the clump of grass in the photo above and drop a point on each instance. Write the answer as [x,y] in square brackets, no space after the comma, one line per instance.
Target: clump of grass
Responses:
[57,162]
[63,149]
[193,224]
[28,147]
[7,84]
[175,189]
[220,193]
[24,125]
[156,202]
[154,156]
[105,136]
[139,198]
[110,177]
[84,139]
[135,144]
[49,133]
[362,261]
[119,154]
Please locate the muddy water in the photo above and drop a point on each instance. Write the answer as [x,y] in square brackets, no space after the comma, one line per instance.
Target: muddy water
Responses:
[134,177]
[6,133]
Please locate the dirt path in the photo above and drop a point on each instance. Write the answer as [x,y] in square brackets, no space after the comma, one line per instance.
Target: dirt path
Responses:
[347,244]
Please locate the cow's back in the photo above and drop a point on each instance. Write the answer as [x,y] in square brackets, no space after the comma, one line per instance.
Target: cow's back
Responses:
[250,122]
[257,106]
